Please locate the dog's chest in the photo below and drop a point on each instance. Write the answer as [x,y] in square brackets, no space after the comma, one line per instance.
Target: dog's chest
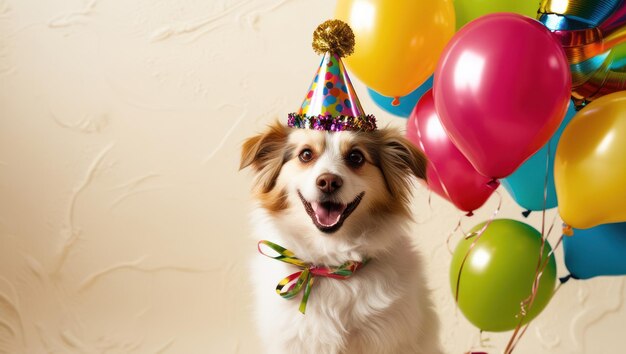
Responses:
[335,306]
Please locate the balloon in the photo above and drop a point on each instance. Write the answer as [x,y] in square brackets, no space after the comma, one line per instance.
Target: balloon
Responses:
[406,104]
[599,76]
[590,33]
[397,42]
[498,275]
[500,98]
[448,174]
[596,251]
[526,185]
[590,164]
[469,10]
[585,28]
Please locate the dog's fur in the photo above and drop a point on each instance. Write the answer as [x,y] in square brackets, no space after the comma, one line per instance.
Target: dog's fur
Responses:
[385,306]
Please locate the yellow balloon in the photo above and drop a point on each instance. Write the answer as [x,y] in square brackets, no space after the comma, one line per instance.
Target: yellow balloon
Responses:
[398,42]
[590,164]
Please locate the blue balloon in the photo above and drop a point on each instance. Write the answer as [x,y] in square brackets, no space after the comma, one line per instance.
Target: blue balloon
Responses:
[600,250]
[407,103]
[526,184]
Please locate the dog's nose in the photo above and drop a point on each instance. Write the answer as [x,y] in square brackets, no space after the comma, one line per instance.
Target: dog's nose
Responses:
[328,182]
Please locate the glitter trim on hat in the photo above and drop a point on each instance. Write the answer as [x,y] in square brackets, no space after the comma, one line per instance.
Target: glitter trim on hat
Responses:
[335,124]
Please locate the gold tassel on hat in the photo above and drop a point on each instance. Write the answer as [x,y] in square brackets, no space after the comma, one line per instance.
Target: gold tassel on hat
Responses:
[334,36]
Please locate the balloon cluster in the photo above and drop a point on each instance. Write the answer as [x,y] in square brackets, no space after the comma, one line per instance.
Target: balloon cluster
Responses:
[501,100]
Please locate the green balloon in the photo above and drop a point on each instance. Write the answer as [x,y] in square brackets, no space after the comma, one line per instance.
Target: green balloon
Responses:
[469,10]
[498,275]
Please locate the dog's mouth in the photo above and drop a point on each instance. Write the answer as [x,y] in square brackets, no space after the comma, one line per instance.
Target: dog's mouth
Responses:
[328,216]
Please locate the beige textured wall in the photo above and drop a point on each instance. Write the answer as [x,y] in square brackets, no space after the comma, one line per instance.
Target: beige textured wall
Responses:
[122,214]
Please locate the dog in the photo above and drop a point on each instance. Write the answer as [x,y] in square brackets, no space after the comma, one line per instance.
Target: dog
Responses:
[331,198]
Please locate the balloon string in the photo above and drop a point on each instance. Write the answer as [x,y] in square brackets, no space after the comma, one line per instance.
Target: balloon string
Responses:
[558,287]
[483,342]
[478,234]
[528,324]
[527,303]
[456,228]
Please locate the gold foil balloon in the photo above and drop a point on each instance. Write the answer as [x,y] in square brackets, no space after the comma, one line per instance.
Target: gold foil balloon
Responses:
[398,42]
[590,32]
[590,164]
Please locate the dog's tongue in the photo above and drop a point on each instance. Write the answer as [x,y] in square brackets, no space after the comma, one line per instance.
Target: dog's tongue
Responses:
[328,214]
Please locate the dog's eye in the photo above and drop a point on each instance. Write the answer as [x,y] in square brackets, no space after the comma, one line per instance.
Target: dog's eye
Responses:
[306,155]
[356,158]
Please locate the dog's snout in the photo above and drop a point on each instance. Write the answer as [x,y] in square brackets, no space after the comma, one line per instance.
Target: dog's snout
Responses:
[329,182]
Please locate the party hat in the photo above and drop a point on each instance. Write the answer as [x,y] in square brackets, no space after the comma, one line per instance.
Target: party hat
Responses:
[331,103]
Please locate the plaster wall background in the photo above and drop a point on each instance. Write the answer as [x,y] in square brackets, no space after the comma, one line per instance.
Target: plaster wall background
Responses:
[122,212]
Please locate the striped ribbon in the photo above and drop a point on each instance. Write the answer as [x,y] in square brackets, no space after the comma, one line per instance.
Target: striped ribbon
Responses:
[304,279]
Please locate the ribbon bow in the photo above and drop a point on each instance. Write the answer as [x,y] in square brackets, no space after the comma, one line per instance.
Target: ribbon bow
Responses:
[306,276]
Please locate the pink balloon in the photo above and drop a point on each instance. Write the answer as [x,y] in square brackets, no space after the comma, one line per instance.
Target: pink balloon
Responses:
[449,173]
[501,89]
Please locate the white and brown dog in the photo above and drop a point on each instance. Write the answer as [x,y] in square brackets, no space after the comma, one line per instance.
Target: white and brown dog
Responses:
[333,197]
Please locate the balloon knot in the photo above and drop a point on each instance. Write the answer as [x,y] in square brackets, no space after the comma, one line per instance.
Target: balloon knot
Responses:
[396,101]
[526,213]
[564,279]
[493,184]
[470,213]
[567,230]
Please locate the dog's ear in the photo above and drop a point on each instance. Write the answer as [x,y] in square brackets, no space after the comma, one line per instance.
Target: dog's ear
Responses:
[398,160]
[265,152]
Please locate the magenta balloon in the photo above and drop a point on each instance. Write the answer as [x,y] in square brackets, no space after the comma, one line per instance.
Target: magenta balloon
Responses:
[501,89]
[449,173]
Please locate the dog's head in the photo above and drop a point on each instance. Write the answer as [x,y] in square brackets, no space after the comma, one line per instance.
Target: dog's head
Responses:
[338,184]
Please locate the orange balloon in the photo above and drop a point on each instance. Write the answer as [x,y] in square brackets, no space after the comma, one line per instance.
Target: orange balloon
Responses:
[398,43]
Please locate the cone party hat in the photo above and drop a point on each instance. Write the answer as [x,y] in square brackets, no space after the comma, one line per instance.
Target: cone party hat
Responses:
[331,103]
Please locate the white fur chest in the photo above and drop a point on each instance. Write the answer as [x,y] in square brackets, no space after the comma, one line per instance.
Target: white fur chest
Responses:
[380,309]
